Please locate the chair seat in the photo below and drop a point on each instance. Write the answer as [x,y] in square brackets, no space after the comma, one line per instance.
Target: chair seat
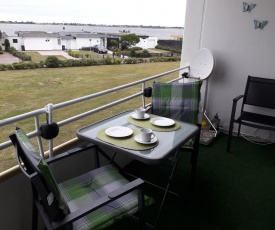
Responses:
[79,191]
[257,118]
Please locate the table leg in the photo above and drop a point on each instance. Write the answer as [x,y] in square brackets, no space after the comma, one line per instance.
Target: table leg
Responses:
[175,159]
[194,159]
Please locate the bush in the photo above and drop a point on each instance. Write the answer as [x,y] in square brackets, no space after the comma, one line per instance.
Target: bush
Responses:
[4,67]
[133,60]
[20,55]
[139,54]
[73,53]
[52,62]
[164,59]
[1,51]
[136,48]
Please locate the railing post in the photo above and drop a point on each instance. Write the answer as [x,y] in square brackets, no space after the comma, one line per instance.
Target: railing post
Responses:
[49,110]
[143,98]
[39,137]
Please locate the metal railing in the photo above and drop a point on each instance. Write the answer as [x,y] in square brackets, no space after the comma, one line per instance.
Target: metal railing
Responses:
[50,108]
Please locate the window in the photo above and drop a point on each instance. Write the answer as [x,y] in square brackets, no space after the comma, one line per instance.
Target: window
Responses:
[14,40]
[59,41]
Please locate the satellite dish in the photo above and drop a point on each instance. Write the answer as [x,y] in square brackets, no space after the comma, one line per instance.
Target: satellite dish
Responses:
[202,64]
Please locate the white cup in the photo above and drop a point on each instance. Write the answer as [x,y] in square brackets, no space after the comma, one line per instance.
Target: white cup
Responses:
[146,135]
[140,112]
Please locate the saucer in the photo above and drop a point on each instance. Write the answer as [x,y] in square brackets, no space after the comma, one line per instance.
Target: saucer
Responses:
[162,121]
[119,131]
[146,116]
[138,139]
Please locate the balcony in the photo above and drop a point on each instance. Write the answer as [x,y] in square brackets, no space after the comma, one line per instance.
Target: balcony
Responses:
[226,186]
[233,191]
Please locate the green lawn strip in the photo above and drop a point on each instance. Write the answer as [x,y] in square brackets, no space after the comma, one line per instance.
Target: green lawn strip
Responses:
[36,57]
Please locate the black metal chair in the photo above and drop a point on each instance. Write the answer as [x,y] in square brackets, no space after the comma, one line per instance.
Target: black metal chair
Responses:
[259,92]
[93,200]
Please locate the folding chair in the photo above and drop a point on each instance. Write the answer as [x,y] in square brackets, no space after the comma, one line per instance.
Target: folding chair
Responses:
[93,200]
[259,93]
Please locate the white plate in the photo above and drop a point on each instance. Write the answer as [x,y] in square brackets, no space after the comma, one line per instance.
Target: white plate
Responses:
[119,131]
[162,121]
[138,139]
[146,116]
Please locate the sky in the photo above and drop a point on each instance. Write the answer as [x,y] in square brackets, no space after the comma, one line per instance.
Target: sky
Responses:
[109,12]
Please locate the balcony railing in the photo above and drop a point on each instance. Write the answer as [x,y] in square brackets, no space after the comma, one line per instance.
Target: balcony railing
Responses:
[50,109]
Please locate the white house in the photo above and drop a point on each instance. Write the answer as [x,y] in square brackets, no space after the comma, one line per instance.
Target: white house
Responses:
[76,41]
[147,42]
[40,40]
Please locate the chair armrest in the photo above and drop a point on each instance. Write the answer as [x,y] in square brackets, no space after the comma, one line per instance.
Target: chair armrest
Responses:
[136,184]
[70,152]
[237,98]
[126,188]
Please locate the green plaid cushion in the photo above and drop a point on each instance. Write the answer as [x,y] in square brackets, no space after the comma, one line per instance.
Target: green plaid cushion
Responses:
[37,161]
[178,101]
[91,186]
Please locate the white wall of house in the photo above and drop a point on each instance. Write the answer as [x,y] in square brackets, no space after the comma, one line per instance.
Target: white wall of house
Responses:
[15,42]
[239,49]
[85,42]
[147,43]
[41,43]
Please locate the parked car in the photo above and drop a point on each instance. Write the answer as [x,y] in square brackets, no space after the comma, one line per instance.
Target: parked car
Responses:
[99,49]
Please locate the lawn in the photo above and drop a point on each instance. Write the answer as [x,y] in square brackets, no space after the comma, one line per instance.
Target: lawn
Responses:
[27,90]
[37,57]
[92,54]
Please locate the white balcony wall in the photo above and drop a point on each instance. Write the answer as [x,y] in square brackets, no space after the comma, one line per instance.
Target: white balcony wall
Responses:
[239,48]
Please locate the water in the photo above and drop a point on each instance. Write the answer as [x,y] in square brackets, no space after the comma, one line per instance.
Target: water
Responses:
[159,33]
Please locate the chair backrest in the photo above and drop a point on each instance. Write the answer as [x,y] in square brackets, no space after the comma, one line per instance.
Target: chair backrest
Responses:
[37,170]
[260,92]
[175,100]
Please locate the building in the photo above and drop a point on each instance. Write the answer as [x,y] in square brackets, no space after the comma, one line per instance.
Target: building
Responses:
[41,40]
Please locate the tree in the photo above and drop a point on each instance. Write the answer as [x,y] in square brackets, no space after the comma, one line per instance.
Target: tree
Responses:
[128,40]
[114,43]
[0,34]
[7,45]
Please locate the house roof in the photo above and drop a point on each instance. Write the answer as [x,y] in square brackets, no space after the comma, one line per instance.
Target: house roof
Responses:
[4,35]
[37,34]
[91,35]
[82,34]
[64,35]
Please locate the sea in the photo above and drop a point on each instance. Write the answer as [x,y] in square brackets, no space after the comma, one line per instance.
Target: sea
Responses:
[160,33]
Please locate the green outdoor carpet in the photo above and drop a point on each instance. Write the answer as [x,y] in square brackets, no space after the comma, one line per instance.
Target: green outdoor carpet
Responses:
[234,191]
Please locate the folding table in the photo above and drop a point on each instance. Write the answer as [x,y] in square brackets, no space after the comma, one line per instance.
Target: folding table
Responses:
[168,142]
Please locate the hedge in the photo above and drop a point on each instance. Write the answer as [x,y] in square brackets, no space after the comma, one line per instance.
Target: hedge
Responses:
[20,55]
[83,62]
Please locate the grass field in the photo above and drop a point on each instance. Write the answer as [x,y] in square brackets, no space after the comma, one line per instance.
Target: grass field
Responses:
[27,90]
[36,57]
